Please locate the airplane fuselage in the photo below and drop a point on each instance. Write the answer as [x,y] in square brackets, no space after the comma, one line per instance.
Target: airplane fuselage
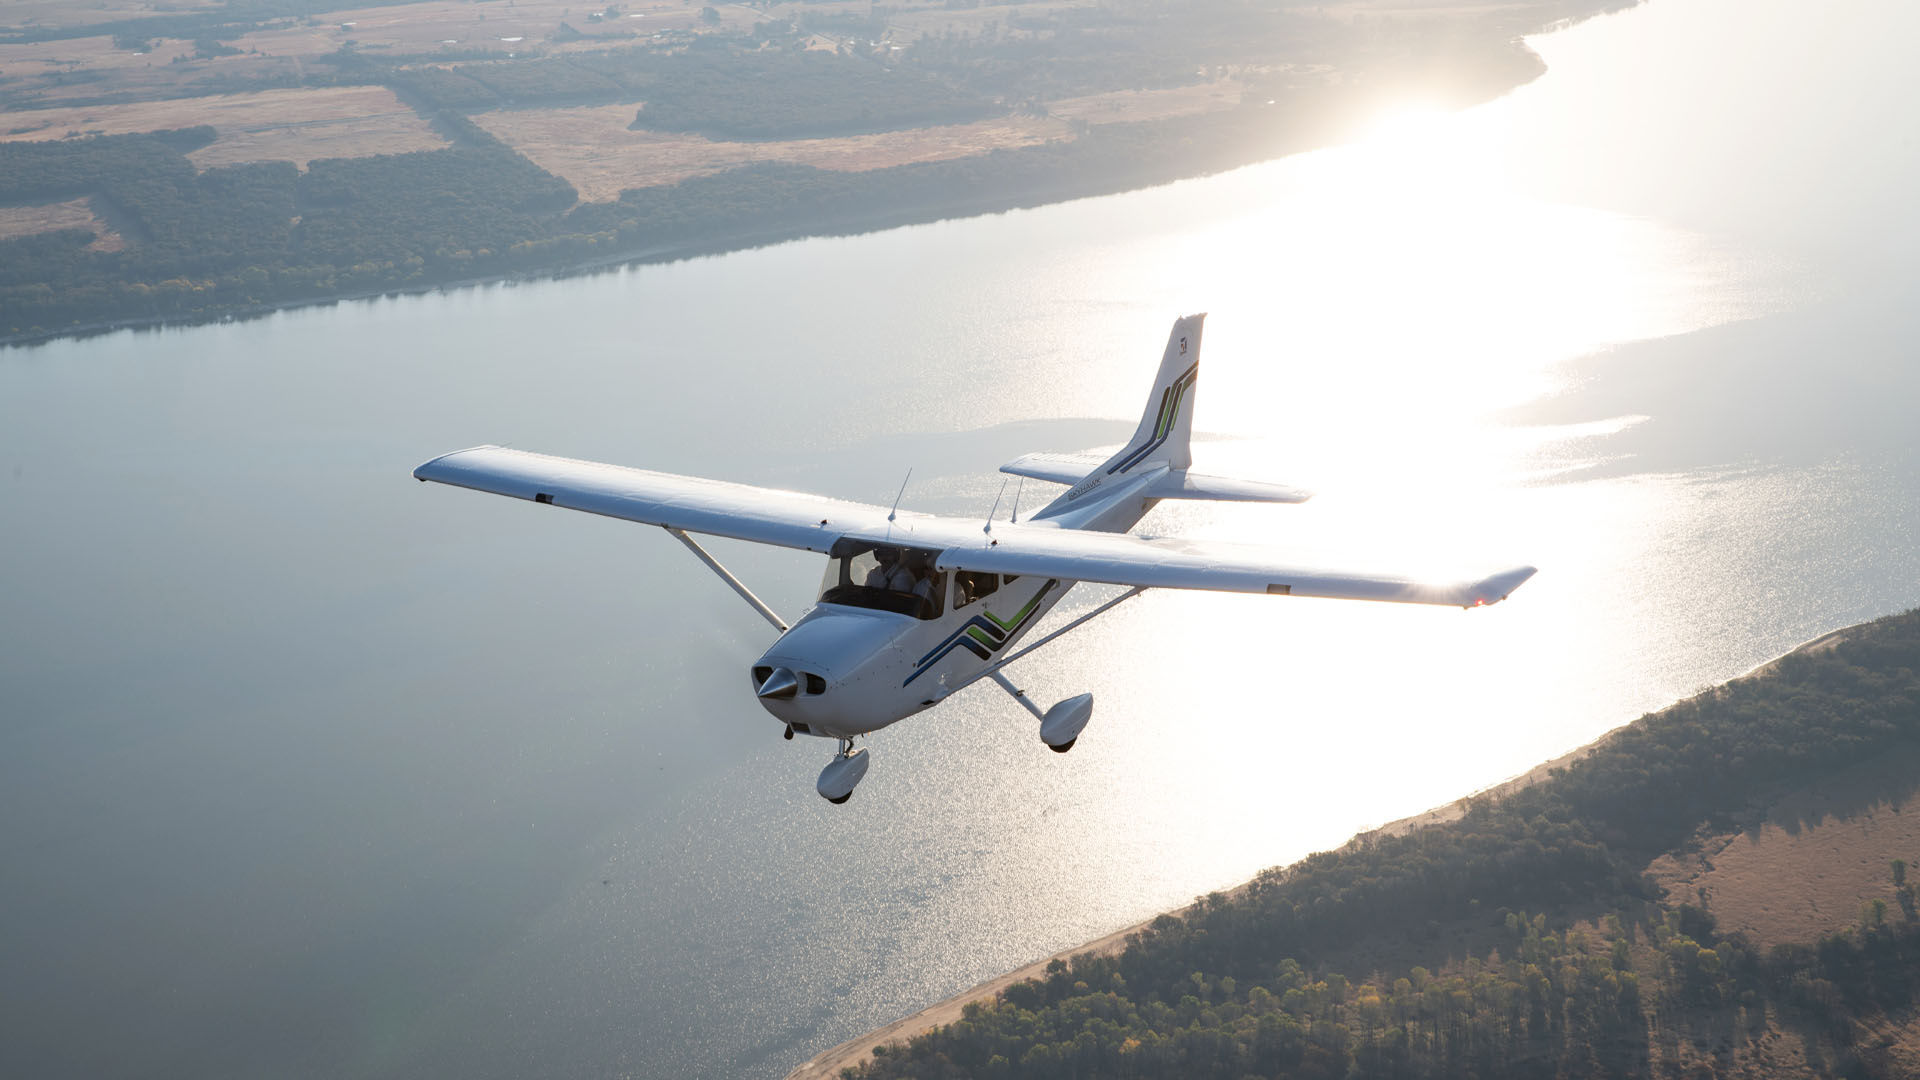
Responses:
[860,670]
[857,670]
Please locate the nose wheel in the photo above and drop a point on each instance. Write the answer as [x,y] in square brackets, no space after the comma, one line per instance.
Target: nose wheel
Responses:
[842,774]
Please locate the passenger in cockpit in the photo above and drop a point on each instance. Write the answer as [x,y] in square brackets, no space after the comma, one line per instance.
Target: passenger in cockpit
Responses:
[921,567]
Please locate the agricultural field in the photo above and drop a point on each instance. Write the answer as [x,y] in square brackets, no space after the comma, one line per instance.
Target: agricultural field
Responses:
[34,14]
[272,125]
[594,149]
[502,26]
[1123,106]
[54,216]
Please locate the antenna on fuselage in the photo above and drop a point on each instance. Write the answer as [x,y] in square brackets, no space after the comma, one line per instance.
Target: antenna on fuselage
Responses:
[896,501]
[988,528]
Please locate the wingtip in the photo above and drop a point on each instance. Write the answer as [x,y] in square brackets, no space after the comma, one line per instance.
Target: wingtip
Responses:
[1500,586]
[420,471]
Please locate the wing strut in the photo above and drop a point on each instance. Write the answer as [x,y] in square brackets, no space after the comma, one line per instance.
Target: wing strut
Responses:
[993,670]
[713,564]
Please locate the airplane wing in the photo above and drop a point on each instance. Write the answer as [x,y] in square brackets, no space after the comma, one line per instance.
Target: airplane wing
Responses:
[814,522]
[1121,559]
[713,507]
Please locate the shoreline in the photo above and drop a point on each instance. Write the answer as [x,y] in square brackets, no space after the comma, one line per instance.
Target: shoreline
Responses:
[932,213]
[827,1064]
[1322,130]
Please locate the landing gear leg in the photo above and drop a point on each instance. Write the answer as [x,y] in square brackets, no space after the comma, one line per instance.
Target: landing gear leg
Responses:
[842,774]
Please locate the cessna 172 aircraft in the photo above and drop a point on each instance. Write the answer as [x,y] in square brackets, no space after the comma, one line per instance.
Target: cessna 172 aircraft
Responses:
[914,606]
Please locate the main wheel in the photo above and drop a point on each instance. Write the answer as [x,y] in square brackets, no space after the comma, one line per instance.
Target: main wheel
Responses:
[841,799]
[1063,747]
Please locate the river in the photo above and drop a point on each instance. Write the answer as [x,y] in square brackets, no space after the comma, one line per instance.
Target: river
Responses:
[311,770]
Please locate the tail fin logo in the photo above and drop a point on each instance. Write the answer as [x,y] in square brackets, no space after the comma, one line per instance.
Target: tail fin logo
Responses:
[1170,401]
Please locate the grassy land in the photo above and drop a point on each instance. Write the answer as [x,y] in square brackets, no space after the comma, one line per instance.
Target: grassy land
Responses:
[1717,889]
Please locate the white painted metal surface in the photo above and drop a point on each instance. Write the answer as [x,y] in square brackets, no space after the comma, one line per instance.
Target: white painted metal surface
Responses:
[917,606]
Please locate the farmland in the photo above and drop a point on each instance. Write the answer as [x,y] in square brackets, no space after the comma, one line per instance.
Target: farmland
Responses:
[255,153]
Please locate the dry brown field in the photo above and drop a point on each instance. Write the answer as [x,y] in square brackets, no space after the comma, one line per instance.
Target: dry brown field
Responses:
[23,14]
[1125,105]
[89,67]
[1821,855]
[271,125]
[77,69]
[499,25]
[70,214]
[593,149]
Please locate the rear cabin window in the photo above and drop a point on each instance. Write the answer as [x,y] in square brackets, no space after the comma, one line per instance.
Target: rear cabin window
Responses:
[884,577]
[970,585]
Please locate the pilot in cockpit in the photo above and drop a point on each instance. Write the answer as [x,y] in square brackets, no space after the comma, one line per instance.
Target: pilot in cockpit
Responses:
[889,573]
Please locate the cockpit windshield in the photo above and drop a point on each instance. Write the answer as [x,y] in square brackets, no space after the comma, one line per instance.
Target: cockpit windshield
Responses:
[885,577]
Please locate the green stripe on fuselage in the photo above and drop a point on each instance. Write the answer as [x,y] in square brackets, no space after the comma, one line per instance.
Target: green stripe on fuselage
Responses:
[1018,616]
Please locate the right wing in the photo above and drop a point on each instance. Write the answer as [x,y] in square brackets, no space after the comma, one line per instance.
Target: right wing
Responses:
[713,507]
[1178,563]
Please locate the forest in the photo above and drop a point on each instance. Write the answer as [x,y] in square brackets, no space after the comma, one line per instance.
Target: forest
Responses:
[1585,969]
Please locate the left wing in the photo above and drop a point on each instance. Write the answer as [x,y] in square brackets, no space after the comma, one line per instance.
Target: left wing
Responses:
[713,507]
[1120,559]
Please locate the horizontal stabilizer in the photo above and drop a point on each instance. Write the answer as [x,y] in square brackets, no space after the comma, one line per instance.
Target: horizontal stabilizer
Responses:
[1066,469]
[1176,484]
[1186,484]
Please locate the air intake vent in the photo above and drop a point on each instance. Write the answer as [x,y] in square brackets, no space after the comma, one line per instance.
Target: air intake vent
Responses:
[760,676]
[815,684]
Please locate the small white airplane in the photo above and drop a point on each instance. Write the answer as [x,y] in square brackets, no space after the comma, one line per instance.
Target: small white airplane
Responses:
[916,606]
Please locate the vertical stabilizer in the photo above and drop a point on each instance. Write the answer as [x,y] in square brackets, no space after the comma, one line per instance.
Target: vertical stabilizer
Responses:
[1166,428]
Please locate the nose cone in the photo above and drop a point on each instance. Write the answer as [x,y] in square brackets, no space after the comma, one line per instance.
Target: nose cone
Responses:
[780,686]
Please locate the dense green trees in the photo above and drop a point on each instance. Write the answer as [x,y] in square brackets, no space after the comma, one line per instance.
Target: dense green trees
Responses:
[1247,985]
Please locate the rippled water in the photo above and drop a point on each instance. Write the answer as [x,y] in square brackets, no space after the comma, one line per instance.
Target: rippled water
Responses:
[312,770]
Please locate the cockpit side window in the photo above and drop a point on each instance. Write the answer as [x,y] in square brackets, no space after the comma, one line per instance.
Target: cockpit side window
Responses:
[884,577]
[969,585]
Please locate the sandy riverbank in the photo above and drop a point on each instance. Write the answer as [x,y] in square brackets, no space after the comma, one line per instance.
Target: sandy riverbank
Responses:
[828,1063]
